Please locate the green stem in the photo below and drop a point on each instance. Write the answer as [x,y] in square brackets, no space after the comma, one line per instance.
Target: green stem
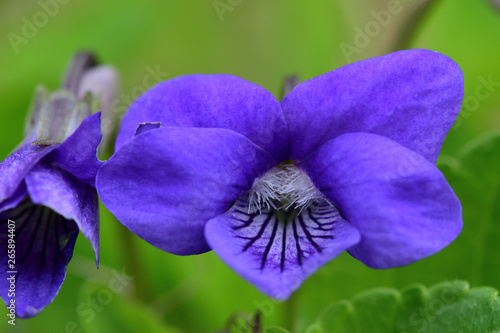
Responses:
[291,311]
[132,264]
[410,30]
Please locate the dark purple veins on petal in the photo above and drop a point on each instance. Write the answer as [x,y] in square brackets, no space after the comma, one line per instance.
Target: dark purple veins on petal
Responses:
[276,249]
[44,246]
[293,236]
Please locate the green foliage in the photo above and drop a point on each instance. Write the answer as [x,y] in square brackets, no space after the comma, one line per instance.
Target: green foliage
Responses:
[446,307]
[103,310]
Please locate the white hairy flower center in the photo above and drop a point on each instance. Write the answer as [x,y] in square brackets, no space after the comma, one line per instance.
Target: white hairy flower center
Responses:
[283,187]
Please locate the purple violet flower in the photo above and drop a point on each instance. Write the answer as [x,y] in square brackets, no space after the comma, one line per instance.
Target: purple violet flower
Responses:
[47,189]
[344,162]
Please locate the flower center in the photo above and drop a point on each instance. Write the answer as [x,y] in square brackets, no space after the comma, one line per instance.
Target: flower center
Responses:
[282,188]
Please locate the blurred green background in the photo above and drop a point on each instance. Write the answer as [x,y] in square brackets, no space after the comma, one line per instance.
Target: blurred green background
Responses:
[261,41]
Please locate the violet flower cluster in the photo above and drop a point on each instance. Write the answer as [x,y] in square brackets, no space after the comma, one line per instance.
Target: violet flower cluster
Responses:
[212,162]
[346,162]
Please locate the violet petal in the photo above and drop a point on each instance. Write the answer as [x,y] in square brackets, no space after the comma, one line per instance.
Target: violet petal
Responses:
[399,201]
[44,243]
[215,101]
[67,196]
[165,184]
[17,165]
[78,153]
[411,97]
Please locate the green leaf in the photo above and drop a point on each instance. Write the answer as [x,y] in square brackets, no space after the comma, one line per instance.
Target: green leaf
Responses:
[101,309]
[475,178]
[445,307]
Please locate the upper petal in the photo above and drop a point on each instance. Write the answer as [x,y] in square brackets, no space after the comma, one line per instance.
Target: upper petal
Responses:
[400,202]
[78,153]
[220,101]
[17,165]
[166,183]
[411,97]
[67,196]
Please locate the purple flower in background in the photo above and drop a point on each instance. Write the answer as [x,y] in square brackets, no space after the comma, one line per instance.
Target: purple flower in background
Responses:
[47,192]
[344,162]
